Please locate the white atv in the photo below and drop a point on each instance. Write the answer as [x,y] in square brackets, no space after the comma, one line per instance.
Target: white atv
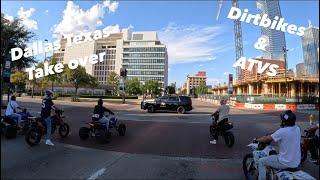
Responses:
[250,165]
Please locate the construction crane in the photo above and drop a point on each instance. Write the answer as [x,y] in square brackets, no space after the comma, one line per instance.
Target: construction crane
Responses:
[237,35]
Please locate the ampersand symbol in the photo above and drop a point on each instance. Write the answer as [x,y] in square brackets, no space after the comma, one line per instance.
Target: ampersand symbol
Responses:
[261,44]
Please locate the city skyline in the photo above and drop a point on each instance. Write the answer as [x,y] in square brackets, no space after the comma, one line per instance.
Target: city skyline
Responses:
[195,41]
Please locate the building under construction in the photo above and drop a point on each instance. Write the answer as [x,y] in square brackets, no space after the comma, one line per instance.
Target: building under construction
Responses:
[282,84]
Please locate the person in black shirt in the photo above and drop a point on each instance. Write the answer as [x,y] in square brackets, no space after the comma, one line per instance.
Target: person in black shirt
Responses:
[47,105]
[99,113]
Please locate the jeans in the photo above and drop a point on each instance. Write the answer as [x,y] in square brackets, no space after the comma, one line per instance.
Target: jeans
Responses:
[270,161]
[104,120]
[48,121]
[16,117]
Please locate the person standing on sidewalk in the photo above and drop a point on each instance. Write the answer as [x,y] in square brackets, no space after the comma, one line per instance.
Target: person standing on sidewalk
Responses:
[47,106]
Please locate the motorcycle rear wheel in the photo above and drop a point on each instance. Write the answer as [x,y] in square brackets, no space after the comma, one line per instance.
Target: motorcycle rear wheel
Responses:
[33,137]
[229,139]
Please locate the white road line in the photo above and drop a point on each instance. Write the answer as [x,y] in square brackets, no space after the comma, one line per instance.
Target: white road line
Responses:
[97,174]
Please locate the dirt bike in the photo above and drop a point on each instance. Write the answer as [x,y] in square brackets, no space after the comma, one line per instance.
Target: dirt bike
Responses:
[100,131]
[223,131]
[9,126]
[250,165]
[38,128]
[308,142]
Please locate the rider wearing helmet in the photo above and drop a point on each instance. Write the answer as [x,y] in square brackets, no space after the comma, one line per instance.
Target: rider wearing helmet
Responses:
[223,111]
[99,112]
[288,138]
[47,106]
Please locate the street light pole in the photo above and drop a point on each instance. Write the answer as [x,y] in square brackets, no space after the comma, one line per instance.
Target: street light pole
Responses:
[285,50]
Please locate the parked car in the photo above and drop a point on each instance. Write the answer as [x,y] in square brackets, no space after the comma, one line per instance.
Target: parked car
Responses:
[180,104]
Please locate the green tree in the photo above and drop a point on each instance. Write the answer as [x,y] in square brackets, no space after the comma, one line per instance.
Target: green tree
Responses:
[202,88]
[57,77]
[152,87]
[18,78]
[77,77]
[13,34]
[113,80]
[92,83]
[133,86]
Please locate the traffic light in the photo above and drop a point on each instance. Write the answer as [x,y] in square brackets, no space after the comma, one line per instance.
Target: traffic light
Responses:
[123,72]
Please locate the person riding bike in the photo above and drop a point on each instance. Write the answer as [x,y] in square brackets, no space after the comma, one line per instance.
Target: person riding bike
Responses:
[223,111]
[99,113]
[11,110]
[47,106]
[288,138]
[314,149]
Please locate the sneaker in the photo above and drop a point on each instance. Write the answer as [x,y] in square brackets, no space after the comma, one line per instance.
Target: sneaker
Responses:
[48,142]
[313,160]
[213,142]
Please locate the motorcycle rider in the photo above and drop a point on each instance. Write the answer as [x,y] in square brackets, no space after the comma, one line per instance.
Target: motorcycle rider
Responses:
[288,138]
[314,149]
[223,111]
[99,110]
[11,110]
[47,106]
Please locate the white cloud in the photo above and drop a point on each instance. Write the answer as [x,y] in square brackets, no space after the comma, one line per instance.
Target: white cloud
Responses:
[192,43]
[226,73]
[10,18]
[47,11]
[112,6]
[77,20]
[200,65]
[25,16]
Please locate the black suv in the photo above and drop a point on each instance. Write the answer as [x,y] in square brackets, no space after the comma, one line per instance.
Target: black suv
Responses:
[181,104]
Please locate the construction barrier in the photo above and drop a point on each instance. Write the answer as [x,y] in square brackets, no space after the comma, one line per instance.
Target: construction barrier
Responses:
[268,106]
[281,107]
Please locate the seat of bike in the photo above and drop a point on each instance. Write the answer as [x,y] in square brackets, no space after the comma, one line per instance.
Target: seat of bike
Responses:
[290,169]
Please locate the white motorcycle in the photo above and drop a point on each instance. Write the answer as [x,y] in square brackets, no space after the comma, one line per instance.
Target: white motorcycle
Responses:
[250,165]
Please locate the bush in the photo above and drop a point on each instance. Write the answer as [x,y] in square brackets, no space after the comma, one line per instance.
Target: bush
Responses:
[75,99]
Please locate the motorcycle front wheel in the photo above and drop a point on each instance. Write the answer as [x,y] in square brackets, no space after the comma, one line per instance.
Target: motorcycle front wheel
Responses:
[64,130]
[249,170]
[33,137]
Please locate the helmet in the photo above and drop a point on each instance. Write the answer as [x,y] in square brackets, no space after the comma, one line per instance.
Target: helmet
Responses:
[100,102]
[222,101]
[288,118]
[49,93]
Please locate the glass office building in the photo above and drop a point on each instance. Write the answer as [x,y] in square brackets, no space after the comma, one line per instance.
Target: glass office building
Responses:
[276,39]
[310,47]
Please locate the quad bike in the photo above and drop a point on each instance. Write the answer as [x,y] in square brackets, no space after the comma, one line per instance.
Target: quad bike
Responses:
[9,126]
[38,128]
[223,131]
[100,131]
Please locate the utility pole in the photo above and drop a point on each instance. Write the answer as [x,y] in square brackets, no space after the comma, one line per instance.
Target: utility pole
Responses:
[285,50]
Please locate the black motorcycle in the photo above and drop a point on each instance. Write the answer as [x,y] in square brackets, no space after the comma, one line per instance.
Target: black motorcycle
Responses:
[38,128]
[223,131]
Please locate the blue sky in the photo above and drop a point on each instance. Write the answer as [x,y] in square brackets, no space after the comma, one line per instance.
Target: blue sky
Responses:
[195,39]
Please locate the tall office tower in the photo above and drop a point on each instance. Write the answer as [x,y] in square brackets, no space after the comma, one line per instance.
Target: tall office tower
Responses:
[310,47]
[276,39]
[144,57]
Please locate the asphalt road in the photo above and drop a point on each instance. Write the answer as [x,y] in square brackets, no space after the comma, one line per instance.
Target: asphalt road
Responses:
[167,137]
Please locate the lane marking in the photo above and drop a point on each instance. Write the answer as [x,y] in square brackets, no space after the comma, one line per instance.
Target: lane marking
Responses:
[97,174]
